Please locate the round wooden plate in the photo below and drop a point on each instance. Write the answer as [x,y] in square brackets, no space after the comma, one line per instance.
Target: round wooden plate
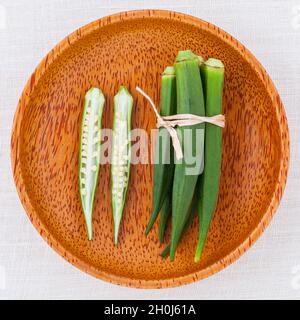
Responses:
[133,48]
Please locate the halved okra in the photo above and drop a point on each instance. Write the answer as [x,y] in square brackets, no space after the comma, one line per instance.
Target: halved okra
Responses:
[121,155]
[164,154]
[89,154]
[212,73]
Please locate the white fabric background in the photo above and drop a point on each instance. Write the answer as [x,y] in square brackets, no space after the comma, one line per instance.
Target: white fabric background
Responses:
[29,268]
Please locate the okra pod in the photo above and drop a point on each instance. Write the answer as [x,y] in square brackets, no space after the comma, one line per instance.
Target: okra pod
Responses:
[166,251]
[164,216]
[188,223]
[89,153]
[164,154]
[121,155]
[189,101]
[212,73]
[192,213]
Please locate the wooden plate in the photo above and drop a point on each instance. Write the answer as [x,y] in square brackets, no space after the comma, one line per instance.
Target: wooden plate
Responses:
[133,48]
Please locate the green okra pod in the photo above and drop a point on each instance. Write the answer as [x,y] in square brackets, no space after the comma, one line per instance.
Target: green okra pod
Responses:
[121,155]
[164,154]
[189,219]
[212,73]
[164,216]
[188,223]
[190,100]
[89,153]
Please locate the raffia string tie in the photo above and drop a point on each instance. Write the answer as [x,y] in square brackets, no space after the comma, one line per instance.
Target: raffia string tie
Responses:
[180,120]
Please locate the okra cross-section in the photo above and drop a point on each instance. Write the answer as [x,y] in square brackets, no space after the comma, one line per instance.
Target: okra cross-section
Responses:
[89,154]
[121,155]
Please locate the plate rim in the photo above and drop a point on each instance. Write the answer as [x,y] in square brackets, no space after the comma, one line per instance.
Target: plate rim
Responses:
[234,44]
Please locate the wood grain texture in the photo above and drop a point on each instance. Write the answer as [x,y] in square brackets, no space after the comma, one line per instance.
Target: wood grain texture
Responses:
[132,48]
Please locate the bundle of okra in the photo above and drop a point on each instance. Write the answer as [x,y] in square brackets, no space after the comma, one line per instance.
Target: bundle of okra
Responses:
[192,86]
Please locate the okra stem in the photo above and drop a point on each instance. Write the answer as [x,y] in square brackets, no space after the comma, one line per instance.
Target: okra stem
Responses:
[212,73]
[121,155]
[89,154]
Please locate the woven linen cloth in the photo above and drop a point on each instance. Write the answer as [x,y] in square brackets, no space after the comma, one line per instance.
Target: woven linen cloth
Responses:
[29,268]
